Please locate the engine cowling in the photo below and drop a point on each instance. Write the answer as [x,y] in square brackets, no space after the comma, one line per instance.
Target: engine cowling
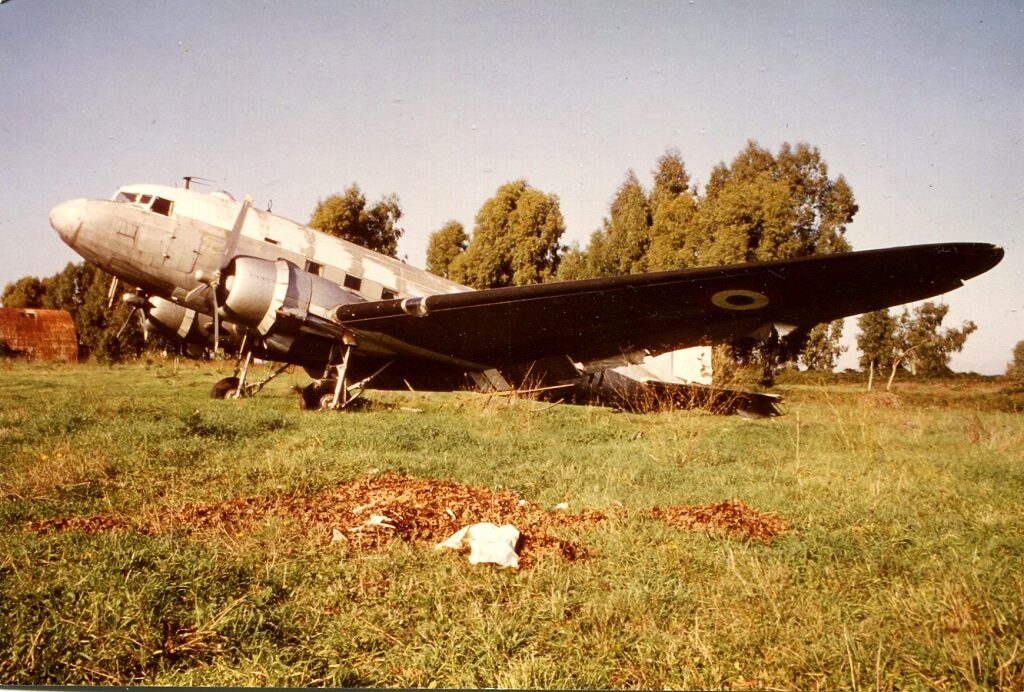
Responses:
[186,325]
[173,320]
[253,291]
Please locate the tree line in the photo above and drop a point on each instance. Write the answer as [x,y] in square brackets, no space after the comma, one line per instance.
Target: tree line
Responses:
[763,205]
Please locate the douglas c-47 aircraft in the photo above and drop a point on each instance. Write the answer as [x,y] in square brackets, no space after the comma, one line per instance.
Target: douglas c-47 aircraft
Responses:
[210,270]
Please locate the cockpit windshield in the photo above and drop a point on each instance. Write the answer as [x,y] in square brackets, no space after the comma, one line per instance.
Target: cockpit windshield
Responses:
[155,204]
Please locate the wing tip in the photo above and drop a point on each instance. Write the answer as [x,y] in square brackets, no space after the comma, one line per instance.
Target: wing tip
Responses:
[981,257]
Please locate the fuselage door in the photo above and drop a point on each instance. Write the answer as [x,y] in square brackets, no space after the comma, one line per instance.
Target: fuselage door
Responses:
[180,246]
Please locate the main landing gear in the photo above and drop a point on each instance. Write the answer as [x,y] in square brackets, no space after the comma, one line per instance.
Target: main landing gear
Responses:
[237,386]
[334,391]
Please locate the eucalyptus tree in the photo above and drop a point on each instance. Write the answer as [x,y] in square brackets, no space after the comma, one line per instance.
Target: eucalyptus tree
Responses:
[348,216]
[515,241]
[446,243]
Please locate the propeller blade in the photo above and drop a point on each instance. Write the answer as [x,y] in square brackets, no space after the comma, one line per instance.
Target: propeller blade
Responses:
[126,321]
[112,291]
[142,324]
[230,247]
[225,259]
[196,292]
[236,233]
[216,323]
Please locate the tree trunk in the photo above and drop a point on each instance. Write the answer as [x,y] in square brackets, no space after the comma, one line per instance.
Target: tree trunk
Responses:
[892,375]
[871,373]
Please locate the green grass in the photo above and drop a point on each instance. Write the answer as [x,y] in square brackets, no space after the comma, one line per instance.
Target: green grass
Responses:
[904,566]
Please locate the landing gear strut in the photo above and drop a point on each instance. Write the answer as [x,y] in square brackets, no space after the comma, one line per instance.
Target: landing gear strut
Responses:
[236,387]
[769,352]
[334,391]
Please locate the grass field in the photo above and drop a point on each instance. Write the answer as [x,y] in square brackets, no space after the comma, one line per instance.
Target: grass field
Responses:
[903,564]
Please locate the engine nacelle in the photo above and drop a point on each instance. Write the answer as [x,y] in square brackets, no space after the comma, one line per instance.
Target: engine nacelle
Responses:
[252,291]
[186,325]
[173,320]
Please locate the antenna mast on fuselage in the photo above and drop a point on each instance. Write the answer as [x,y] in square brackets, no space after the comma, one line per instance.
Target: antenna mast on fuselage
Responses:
[189,178]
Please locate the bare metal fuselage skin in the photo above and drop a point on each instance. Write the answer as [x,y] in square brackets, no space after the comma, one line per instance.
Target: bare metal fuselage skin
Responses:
[165,240]
[162,253]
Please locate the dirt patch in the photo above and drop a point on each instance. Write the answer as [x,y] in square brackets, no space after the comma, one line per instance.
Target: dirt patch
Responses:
[367,514]
[731,517]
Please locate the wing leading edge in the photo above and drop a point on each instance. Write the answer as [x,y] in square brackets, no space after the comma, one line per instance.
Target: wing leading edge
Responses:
[603,318]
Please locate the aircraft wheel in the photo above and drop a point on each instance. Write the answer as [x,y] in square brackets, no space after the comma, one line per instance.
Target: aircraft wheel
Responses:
[224,387]
[309,401]
[317,395]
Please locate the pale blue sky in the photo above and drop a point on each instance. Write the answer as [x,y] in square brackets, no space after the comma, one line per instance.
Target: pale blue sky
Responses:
[919,105]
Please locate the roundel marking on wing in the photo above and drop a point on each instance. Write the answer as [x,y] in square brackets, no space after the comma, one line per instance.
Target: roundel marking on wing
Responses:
[739,299]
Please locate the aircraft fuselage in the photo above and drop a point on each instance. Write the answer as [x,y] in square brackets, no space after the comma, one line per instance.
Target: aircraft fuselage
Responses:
[161,238]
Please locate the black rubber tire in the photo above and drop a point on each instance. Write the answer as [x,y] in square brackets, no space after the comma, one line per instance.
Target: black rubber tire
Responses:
[224,387]
[314,392]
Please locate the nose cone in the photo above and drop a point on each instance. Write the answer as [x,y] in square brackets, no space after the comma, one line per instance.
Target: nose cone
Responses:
[67,219]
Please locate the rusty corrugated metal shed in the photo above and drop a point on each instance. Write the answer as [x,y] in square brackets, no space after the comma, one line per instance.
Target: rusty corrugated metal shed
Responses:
[39,334]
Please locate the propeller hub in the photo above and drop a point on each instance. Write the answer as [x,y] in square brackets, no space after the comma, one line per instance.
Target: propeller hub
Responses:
[133,299]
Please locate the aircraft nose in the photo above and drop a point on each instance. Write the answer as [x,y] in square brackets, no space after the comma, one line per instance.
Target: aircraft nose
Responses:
[67,219]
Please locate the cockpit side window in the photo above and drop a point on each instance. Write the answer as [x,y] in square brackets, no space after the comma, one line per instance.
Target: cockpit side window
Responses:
[162,206]
[159,205]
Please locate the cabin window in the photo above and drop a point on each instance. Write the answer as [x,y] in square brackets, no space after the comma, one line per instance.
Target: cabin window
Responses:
[146,199]
[271,241]
[162,206]
[388,294]
[127,197]
[314,267]
[353,282]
